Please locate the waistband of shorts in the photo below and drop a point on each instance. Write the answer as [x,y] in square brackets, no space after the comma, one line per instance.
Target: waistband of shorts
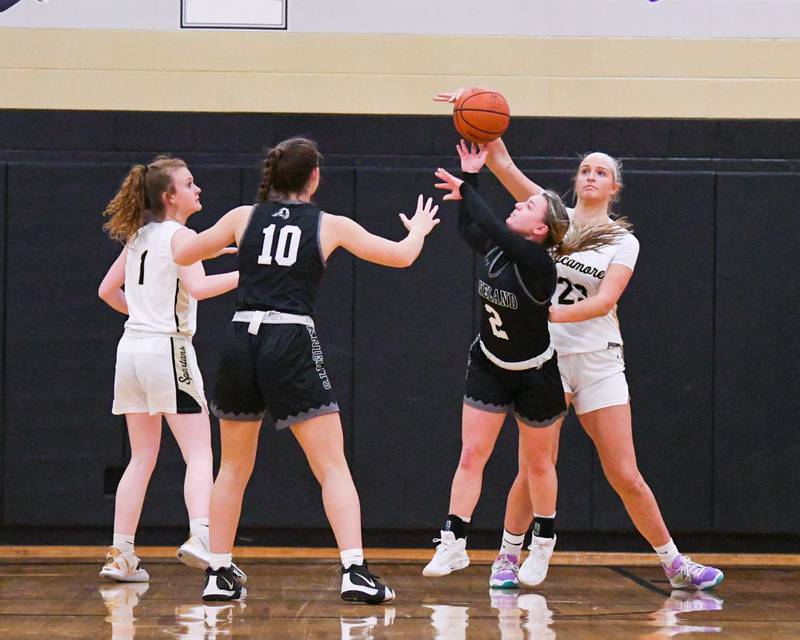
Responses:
[533,363]
[137,333]
[257,318]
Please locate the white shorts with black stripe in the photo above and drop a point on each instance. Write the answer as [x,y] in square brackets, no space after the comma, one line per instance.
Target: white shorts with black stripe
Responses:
[157,374]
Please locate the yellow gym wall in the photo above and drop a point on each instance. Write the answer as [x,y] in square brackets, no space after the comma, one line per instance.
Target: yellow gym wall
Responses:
[226,71]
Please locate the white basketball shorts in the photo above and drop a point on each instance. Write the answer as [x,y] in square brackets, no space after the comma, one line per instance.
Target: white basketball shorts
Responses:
[157,374]
[595,379]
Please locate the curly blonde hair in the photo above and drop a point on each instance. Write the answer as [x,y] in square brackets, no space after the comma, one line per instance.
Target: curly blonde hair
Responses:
[138,200]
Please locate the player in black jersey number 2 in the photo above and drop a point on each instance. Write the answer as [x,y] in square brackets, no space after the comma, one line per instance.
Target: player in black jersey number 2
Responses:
[512,362]
[272,359]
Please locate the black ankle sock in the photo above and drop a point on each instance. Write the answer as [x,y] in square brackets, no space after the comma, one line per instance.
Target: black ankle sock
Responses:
[543,527]
[456,525]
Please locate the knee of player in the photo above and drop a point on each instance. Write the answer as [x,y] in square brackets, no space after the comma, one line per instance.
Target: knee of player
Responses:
[627,481]
[473,458]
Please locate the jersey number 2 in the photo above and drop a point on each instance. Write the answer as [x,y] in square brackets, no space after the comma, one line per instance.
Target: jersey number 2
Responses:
[496,322]
[288,244]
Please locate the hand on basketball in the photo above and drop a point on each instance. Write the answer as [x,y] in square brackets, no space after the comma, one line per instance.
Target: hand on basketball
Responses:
[449,183]
[473,157]
[448,96]
[425,217]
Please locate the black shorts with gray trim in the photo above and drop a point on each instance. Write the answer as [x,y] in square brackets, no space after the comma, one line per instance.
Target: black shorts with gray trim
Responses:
[280,372]
[536,394]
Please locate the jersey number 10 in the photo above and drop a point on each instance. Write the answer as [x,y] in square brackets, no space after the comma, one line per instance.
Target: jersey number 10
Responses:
[288,243]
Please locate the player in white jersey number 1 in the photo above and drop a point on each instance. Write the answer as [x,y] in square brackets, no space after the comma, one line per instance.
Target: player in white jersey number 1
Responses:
[586,335]
[156,370]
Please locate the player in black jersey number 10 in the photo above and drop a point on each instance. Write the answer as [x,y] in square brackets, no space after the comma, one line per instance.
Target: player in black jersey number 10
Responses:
[272,358]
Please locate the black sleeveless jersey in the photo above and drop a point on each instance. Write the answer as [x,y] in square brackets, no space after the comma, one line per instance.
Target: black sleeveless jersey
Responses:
[280,260]
[513,323]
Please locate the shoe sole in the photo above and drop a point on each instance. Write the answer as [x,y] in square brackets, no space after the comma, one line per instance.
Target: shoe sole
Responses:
[118,578]
[191,558]
[358,598]
[701,587]
[532,583]
[221,597]
[453,567]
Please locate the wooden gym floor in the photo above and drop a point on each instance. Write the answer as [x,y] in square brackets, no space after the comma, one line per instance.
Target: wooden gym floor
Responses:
[54,592]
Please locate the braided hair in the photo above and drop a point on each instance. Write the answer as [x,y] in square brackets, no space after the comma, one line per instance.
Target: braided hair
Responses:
[287,168]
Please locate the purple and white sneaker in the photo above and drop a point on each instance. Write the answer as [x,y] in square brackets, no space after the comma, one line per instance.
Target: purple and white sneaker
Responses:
[505,572]
[685,574]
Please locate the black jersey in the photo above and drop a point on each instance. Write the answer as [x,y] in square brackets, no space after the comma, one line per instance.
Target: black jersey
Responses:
[516,279]
[280,260]
[513,323]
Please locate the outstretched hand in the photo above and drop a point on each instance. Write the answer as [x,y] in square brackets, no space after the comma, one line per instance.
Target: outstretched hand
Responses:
[424,218]
[449,183]
[473,157]
[449,96]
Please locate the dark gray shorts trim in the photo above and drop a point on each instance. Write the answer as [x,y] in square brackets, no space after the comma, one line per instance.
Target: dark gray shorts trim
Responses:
[539,424]
[483,406]
[283,423]
[238,417]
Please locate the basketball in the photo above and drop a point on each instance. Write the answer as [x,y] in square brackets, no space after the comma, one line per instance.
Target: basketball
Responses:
[481,115]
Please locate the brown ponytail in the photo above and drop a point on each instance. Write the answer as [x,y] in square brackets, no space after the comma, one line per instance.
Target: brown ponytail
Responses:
[287,168]
[138,200]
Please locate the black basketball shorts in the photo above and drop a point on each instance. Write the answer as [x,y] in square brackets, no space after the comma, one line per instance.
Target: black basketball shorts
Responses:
[536,394]
[279,371]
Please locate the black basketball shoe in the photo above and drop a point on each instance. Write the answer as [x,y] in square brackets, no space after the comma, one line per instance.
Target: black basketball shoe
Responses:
[223,585]
[359,585]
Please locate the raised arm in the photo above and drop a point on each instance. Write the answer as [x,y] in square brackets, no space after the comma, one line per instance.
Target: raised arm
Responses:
[189,246]
[502,166]
[110,289]
[339,231]
[202,286]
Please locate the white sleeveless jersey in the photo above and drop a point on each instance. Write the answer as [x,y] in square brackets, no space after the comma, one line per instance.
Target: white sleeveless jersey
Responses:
[158,302]
[579,277]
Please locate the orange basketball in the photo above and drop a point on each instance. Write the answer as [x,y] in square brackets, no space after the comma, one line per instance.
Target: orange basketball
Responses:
[481,115]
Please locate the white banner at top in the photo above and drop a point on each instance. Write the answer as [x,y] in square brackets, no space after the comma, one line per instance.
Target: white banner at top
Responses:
[537,18]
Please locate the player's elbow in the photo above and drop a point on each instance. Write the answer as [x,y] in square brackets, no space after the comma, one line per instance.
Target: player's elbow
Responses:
[105,292]
[181,257]
[606,306]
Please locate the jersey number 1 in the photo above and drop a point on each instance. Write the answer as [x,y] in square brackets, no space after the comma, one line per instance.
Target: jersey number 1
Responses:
[288,244]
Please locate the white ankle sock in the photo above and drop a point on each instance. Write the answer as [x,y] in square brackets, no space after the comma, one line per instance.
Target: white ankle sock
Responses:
[199,527]
[351,557]
[667,553]
[219,560]
[123,542]
[512,544]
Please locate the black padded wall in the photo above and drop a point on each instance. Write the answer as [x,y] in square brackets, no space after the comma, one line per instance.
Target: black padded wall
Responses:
[756,435]
[707,319]
[412,328]
[60,347]
[3,332]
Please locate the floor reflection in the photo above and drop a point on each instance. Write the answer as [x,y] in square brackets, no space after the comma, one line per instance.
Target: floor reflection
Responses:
[120,600]
[361,628]
[205,621]
[449,622]
[669,617]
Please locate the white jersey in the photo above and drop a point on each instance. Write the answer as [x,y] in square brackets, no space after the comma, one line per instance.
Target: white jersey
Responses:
[158,302]
[579,277]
